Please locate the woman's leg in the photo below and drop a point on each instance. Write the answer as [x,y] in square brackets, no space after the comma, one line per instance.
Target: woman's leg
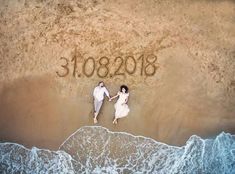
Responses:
[115,121]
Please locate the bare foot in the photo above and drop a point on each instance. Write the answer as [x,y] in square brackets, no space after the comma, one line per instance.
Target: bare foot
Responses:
[95,121]
[95,114]
[114,121]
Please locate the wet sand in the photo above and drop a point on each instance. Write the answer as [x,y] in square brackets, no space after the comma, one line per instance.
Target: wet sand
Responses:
[33,114]
[192,91]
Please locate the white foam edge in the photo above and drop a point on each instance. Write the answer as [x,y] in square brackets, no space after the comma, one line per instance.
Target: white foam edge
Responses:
[30,149]
[124,133]
[111,132]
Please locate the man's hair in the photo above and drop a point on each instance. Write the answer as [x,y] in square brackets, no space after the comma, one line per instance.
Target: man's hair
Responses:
[100,82]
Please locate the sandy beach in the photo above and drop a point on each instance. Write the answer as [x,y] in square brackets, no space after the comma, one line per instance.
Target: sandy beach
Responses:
[185,87]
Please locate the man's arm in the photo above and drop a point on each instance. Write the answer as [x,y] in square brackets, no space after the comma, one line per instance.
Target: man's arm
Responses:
[106,93]
[94,92]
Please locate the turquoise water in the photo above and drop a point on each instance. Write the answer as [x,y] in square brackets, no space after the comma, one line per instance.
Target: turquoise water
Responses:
[97,150]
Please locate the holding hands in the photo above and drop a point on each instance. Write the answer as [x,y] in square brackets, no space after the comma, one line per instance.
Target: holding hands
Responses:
[110,98]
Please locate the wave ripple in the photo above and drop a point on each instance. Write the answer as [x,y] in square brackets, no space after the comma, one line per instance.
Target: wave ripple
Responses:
[97,150]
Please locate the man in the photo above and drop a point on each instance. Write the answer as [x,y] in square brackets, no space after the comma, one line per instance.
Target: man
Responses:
[98,95]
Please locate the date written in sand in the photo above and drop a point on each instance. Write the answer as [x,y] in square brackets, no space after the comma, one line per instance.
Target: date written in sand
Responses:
[144,65]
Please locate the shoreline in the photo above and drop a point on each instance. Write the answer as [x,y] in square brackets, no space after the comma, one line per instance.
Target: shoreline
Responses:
[178,64]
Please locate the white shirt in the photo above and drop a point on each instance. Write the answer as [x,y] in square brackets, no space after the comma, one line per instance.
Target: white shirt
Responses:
[99,93]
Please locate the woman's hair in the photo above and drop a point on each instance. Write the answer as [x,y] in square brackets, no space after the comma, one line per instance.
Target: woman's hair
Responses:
[125,87]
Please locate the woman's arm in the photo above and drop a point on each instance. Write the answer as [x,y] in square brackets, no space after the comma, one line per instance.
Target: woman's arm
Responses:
[126,100]
[113,97]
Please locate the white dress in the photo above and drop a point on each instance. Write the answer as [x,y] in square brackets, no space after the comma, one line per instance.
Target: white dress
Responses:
[121,108]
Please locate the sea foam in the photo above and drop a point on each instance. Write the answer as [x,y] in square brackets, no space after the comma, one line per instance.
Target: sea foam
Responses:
[94,149]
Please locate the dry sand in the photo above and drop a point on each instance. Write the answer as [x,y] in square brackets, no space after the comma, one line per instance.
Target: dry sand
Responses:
[192,91]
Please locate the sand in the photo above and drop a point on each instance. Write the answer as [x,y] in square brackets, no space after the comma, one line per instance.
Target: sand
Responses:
[191,92]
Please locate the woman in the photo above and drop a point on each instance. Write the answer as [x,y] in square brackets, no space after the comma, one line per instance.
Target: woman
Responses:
[121,107]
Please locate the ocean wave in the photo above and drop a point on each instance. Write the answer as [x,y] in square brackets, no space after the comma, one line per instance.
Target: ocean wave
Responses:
[94,149]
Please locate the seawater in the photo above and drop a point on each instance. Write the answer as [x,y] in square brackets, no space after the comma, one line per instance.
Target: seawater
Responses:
[94,149]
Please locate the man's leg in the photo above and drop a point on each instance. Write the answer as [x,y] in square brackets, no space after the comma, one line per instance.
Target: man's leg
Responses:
[98,105]
[95,107]
[95,113]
